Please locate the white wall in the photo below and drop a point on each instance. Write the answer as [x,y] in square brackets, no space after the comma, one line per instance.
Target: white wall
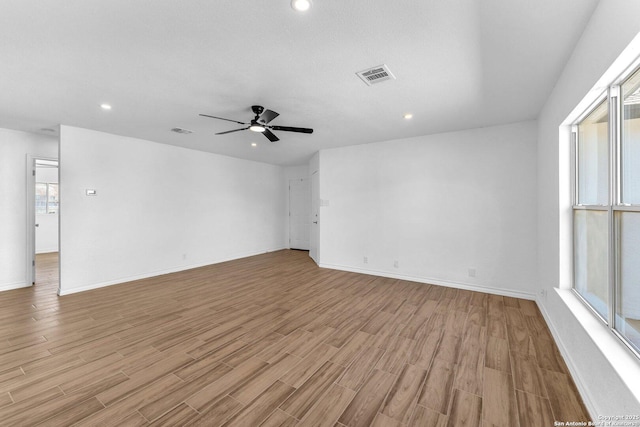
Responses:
[605,372]
[159,208]
[14,148]
[47,231]
[295,172]
[439,205]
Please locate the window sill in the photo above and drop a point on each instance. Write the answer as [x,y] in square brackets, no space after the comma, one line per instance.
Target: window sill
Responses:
[621,358]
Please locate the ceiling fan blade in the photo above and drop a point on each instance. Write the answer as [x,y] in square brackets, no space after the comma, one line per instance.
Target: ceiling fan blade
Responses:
[222,118]
[270,135]
[267,116]
[229,131]
[292,129]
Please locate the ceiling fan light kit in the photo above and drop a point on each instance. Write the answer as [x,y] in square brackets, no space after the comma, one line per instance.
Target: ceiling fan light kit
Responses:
[257,128]
[260,123]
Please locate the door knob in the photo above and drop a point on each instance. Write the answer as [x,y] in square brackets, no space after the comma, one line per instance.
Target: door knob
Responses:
[37,225]
[315,222]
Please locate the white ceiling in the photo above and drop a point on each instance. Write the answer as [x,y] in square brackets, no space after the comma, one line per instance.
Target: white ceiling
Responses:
[459,64]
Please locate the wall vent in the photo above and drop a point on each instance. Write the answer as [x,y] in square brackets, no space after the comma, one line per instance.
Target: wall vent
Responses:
[180,130]
[376,75]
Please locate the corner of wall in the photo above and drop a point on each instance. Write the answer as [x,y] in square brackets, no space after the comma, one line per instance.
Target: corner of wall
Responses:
[585,346]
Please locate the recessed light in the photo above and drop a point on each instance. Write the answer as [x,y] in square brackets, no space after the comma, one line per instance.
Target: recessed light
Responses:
[301,5]
[253,144]
[408,116]
[105,106]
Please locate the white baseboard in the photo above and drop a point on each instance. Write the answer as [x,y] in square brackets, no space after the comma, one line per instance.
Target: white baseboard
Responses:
[15,285]
[431,281]
[63,292]
[621,363]
[566,355]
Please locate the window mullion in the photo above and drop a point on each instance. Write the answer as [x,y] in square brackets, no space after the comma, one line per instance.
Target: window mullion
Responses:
[574,165]
[614,198]
[614,129]
[612,267]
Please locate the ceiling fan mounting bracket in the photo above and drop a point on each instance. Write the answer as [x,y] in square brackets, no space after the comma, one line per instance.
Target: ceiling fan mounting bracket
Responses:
[257,109]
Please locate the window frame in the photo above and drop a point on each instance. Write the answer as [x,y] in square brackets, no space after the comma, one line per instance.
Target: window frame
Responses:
[47,210]
[613,96]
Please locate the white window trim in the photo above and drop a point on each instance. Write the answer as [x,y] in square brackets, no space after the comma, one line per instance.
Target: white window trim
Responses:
[614,350]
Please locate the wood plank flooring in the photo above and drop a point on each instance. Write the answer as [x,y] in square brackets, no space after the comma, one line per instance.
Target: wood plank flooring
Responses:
[274,340]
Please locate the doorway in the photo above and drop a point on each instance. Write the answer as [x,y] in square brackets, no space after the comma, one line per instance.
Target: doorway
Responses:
[43,210]
[299,213]
[314,238]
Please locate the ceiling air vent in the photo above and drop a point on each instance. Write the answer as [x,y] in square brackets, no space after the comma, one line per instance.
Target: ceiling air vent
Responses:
[180,130]
[375,75]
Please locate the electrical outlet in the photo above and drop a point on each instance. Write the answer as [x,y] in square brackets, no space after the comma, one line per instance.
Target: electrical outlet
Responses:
[396,264]
[472,272]
[365,260]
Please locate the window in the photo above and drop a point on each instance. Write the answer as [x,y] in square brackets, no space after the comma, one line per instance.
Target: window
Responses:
[46,198]
[606,209]
[593,157]
[630,140]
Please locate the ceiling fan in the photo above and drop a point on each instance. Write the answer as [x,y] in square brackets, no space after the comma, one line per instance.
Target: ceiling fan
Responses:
[260,123]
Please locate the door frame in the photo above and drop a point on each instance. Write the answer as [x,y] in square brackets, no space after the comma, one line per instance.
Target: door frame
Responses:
[294,181]
[314,233]
[31,216]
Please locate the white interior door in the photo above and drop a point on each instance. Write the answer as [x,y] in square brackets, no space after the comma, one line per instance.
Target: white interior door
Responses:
[299,213]
[314,236]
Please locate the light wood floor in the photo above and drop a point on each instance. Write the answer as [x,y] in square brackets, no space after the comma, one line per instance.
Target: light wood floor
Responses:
[274,340]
